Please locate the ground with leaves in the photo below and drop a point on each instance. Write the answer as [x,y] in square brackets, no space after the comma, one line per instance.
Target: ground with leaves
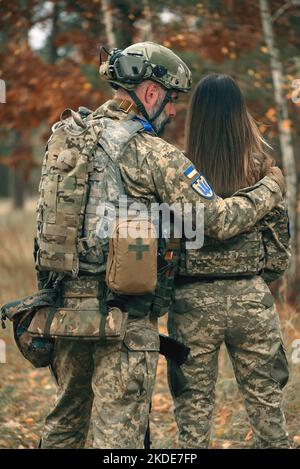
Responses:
[26,394]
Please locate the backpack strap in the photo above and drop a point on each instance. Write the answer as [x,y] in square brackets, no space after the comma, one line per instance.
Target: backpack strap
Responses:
[125,130]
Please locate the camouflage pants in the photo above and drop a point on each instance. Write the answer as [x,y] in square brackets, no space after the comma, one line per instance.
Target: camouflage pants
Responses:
[111,383]
[242,314]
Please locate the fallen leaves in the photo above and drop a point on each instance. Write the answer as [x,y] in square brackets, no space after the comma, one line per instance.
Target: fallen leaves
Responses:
[249,435]
[296,439]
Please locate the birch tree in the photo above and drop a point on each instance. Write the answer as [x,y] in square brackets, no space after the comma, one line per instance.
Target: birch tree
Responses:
[284,127]
[107,20]
[144,24]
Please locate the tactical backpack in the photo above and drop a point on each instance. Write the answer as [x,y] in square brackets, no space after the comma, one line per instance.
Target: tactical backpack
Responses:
[80,183]
[80,174]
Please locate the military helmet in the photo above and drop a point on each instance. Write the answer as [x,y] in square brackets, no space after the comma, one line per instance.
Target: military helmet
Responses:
[144,61]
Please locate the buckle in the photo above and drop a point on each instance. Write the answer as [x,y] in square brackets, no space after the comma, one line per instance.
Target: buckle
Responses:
[125,103]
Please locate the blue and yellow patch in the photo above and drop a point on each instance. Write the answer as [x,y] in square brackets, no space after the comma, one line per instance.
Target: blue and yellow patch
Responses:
[199,184]
[191,172]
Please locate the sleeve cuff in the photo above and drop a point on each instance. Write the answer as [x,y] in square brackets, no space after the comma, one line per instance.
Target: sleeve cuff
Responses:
[270,184]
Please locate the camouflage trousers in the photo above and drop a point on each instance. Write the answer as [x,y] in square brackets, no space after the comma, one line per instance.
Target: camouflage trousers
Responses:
[242,314]
[109,386]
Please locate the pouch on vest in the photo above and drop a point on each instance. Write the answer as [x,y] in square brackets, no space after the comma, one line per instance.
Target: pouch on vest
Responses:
[79,324]
[132,258]
[81,313]
[63,193]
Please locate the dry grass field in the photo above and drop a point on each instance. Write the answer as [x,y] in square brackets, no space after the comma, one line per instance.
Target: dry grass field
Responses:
[26,394]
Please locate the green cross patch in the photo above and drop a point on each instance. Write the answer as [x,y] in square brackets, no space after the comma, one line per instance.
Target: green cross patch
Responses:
[139,248]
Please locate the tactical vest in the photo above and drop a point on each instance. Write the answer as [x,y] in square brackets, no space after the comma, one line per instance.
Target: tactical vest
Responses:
[80,174]
[242,255]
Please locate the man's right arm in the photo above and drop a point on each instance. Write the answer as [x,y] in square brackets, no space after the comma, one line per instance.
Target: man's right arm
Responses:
[224,218]
[154,169]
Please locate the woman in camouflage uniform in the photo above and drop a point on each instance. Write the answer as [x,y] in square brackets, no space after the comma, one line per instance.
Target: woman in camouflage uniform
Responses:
[221,290]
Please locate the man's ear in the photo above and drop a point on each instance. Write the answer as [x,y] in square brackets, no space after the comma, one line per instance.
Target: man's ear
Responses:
[151,94]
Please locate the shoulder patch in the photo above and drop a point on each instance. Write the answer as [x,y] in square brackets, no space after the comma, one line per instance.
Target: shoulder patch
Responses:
[201,186]
[199,183]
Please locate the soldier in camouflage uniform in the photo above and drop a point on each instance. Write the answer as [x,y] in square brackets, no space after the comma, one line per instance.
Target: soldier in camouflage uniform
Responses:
[222,296]
[117,379]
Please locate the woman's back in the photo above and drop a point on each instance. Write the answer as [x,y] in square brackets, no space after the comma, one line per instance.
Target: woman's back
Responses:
[224,143]
[221,296]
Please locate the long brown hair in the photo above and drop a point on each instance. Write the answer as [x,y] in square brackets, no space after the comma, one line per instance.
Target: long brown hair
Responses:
[222,138]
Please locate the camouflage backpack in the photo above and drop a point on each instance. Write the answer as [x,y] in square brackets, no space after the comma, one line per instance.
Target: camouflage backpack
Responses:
[80,173]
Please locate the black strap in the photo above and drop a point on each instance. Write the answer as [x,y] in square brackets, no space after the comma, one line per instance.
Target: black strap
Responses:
[147,440]
[49,320]
[142,109]
[57,280]
[139,104]
[103,310]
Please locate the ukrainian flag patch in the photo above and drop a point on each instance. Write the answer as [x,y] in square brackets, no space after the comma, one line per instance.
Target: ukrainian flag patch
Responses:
[201,186]
[191,172]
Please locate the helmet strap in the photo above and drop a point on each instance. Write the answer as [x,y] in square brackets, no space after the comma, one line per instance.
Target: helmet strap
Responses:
[139,104]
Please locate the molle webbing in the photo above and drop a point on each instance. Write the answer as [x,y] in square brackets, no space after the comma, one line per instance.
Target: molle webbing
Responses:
[165,287]
[80,170]
[242,255]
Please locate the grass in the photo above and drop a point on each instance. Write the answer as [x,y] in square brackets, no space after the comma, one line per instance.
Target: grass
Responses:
[26,394]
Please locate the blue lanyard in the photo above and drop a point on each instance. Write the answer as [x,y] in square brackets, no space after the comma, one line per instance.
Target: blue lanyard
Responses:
[147,126]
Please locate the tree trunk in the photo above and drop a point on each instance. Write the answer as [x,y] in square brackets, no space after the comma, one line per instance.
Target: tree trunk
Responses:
[285,136]
[54,31]
[17,179]
[144,25]
[18,186]
[107,21]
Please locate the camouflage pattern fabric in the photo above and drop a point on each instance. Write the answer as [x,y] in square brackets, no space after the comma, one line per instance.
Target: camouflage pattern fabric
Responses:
[242,314]
[152,171]
[241,255]
[276,239]
[265,248]
[115,380]
[63,194]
